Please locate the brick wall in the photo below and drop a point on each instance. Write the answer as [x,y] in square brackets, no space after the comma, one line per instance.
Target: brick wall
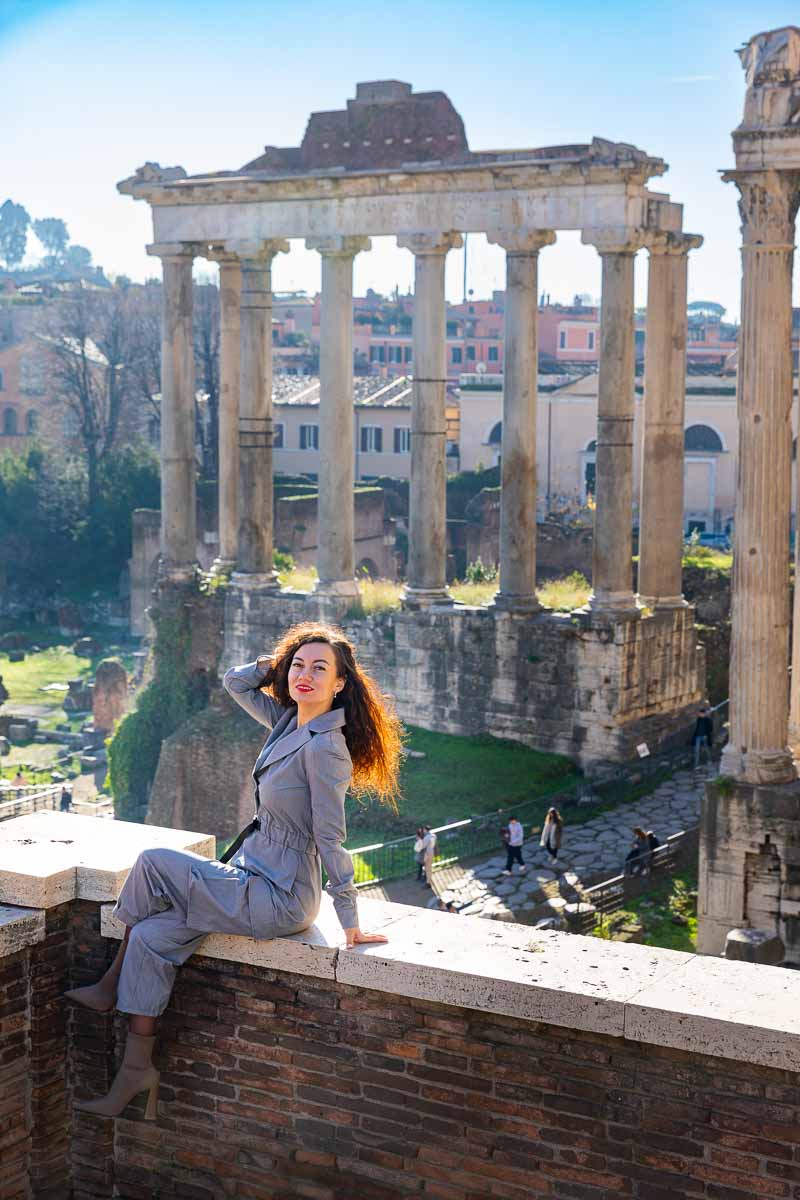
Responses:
[277,1085]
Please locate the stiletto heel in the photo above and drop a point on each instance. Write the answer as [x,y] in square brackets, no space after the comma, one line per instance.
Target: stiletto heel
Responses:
[151,1112]
[136,1075]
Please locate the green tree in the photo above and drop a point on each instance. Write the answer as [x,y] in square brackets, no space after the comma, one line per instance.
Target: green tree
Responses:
[77,259]
[52,233]
[14,222]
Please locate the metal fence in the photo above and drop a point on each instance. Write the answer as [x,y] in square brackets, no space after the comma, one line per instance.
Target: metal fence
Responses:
[614,894]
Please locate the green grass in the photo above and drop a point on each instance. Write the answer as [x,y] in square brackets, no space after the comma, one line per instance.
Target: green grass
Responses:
[655,910]
[383,595]
[56,664]
[707,558]
[459,777]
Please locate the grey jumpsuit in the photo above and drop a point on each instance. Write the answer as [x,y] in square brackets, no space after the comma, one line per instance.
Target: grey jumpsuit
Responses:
[272,887]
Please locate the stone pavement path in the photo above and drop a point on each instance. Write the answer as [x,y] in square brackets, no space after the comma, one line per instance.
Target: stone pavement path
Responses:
[590,853]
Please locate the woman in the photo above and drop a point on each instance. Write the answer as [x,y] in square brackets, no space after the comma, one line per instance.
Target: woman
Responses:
[552,833]
[329,730]
[636,858]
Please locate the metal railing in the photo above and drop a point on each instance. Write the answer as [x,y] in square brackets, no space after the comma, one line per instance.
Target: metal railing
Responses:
[50,798]
[478,835]
[614,894]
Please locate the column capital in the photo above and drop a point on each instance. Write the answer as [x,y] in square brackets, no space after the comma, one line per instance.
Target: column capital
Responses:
[768,202]
[180,251]
[621,239]
[662,242]
[260,251]
[219,252]
[521,241]
[339,246]
[429,243]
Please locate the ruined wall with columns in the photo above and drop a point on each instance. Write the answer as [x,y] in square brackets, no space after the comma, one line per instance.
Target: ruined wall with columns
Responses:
[501,1062]
[626,669]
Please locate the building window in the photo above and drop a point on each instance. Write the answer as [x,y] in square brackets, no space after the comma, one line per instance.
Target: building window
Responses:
[702,439]
[309,437]
[471,353]
[32,422]
[591,340]
[1,381]
[9,422]
[562,339]
[70,425]
[457,356]
[496,435]
[371,439]
[153,431]
[402,439]
[277,435]
[377,354]
[31,374]
[493,354]
[407,354]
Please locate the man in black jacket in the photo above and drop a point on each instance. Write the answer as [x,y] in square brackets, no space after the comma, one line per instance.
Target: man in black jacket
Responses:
[703,735]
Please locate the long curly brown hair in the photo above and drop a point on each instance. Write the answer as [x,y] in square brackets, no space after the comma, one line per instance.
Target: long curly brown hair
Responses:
[372,730]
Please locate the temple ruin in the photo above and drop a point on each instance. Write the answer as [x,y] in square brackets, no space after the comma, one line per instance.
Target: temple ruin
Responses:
[396,163]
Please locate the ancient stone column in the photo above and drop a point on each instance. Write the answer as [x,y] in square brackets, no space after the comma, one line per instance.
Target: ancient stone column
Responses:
[178,520]
[230,289]
[612,580]
[661,479]
[336,524]
[517,591]
[254,542]
[757,750]
[427,542]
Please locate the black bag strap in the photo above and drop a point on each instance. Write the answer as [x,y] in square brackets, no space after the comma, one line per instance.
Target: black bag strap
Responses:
[237,841]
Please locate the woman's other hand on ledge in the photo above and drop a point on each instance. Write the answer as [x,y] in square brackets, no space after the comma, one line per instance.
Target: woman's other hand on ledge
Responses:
[356,938]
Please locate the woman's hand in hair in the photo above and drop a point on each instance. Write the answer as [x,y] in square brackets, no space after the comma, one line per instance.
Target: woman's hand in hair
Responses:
[356,938]
[265,663]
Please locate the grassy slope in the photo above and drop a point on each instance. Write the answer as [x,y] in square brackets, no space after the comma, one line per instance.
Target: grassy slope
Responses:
[656,908]
[459,777]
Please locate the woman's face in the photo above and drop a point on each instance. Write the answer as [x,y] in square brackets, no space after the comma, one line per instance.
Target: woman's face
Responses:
[312,676]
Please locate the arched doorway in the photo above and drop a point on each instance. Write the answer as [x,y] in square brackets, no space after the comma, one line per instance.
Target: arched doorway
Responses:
[702,447]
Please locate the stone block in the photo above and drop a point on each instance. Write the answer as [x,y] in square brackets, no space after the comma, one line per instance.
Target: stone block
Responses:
[48,858]
[5,746]
[754,946]
[16,656]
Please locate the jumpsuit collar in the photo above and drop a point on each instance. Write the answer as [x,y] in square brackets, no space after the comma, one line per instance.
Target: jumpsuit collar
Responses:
[291,738]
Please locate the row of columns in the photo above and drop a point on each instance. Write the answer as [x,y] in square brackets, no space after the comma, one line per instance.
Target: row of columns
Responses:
[245,417]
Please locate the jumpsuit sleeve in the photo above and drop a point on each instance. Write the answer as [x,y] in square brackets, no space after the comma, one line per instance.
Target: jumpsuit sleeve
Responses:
[242,684]
[329,773]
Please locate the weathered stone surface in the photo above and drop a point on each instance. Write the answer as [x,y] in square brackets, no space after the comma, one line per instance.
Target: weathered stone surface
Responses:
[19,927]
[48,858]
[109,695]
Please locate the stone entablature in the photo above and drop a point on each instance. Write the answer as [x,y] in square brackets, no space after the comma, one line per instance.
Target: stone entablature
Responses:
[455,1058]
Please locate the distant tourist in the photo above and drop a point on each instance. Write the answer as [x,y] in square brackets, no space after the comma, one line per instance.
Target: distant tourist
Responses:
[703,735]
[514,836]
[19,780]
[66,799]
[447,905]
[419,852]
[552,833]
[428,852]
[635,859]
[652,844]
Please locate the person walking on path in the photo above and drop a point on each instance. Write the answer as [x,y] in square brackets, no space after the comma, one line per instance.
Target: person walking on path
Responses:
[635,859]
[419,853]
[552,833]
[329,728]
[703,735]
[428,852]
[65,804]
[515,837]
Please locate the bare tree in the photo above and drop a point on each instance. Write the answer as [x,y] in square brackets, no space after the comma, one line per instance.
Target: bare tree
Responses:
[87,339]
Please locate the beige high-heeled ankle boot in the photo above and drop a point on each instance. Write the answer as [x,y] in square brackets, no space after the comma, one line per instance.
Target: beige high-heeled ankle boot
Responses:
[101,996]
[137,1074]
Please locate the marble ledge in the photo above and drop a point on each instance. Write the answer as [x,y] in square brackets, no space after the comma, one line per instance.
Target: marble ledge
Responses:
[660,997]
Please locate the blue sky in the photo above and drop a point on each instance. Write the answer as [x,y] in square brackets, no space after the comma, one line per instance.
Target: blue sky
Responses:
[98,88]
